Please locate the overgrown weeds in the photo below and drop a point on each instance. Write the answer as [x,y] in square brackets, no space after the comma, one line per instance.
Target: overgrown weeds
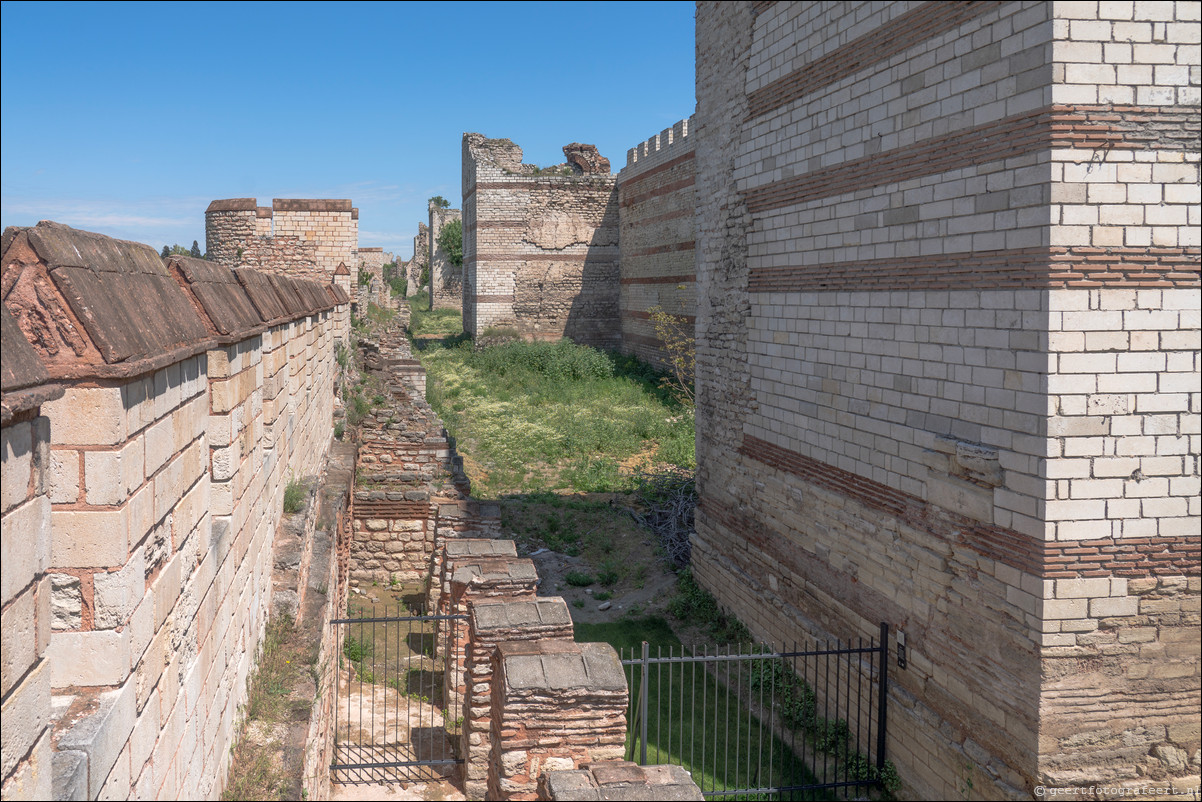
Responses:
[696,606]
[258,769]
[427,322]
[530,417]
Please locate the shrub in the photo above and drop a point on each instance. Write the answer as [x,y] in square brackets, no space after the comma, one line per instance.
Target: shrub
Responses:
[579,579]
[450,240]
[561,361]
[294,497]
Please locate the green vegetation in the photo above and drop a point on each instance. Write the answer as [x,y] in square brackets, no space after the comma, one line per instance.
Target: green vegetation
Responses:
[578,579]
[425,322]
[259,768]
[398,286]
[554,416]
[675,332]
[440,202]
[294,497]
[450,240]
[714,740]
[696,606]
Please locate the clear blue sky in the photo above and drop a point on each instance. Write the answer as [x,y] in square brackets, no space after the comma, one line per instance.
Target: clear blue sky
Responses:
[128,119]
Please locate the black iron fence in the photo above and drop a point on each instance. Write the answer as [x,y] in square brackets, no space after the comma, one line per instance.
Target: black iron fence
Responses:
[764,723]
[394,717]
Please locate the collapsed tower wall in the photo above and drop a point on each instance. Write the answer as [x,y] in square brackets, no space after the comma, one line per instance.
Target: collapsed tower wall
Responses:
[299,237]
[947,368]
[446,278]
[540,247]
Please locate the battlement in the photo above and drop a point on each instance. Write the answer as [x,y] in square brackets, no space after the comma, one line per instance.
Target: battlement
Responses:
[668,141]
[311,205]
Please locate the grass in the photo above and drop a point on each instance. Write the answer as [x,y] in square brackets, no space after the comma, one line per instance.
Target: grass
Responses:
[532,417]
[424,322]
[294,497]
[258,770]
[715,738]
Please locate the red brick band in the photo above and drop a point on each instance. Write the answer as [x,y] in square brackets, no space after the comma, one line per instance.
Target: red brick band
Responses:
[895,36]
[1017,268]
[546,257]
[657,169]
[666,189]
[1058,126]
[658,218]
[685,279]
[1055,559]
[672,247]
[654,343]
[372,508]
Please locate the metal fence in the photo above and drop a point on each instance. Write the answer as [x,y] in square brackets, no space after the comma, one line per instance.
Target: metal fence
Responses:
[394,718]
[763,723]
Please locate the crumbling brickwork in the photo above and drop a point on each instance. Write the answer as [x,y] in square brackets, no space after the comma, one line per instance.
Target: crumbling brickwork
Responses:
[540,247]
[446,278]
[656,213]
[421,258]
[157,489]
[948,366]
[302,238]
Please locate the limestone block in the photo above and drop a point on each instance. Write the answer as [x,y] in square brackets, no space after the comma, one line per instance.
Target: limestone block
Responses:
[26,713]
[66,602]
[34,778]
[117,594]
[88,416]
[89,658]
[25,540]
[16,443]
[70,774]
[63,476]
[109,476]
[102,735]
[18,634]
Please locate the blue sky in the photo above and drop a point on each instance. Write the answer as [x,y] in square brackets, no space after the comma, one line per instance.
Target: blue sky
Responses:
[128,119]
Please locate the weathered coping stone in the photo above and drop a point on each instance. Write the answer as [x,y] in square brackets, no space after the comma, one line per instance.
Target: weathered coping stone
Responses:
[618,780]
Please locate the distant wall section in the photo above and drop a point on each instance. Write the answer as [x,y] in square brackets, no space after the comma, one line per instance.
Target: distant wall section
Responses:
[540,247]
[446,278]
[299,237]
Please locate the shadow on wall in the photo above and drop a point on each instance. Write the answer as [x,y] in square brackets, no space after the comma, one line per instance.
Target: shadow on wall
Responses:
[570,292]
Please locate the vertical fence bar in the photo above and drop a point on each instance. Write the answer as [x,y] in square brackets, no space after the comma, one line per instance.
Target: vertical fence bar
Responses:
[643,704]
[883,698]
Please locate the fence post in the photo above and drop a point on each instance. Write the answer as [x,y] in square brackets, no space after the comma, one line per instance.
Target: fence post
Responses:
[643,704]
[882,698]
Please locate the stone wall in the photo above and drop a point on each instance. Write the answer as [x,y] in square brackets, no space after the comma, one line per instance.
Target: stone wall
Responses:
[301,238]
[373,260]
[656,213]
[157,488]
[947,368]
[421,258]
[446,279]
[540,247]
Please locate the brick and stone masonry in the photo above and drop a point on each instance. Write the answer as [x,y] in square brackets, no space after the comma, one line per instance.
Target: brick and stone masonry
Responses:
[302,238]
[446,279]
[656,213]
[540,246]
[176,401]
[948,368]
[421,258]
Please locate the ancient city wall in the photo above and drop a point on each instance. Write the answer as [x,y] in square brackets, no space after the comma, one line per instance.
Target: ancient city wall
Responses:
[150,490]
[656,212]
[446,279]
[540,247]
[302,238]
[947,370]
[421,258]
[373,260]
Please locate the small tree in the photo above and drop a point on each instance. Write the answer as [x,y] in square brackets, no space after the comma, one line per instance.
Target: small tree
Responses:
[195,252]
[166,252]
[679,344]
[440,202]
[450,239]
